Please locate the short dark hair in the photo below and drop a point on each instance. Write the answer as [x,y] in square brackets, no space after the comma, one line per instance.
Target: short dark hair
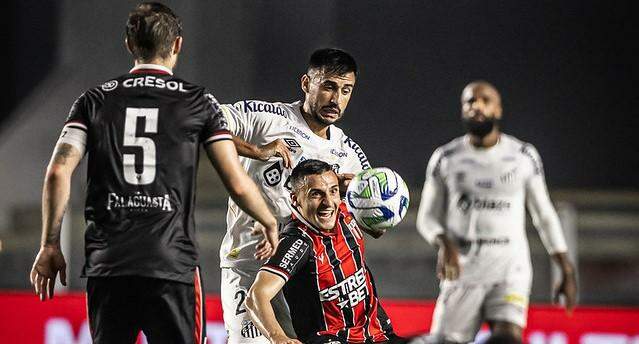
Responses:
[307,168]
[332,61]
[151,30]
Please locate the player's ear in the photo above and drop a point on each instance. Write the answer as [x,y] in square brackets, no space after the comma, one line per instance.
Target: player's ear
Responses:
[293,199]
[128,46]
[304,82]
[177,45]
[498,112]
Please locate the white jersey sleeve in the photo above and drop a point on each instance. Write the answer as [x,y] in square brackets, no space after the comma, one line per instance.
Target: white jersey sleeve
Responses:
[241,123]
[540,206]
[432,206]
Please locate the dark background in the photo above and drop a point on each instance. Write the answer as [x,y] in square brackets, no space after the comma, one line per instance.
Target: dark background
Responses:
[566,71]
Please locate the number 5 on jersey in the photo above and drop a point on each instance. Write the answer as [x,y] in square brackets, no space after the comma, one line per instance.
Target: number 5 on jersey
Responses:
[150,116]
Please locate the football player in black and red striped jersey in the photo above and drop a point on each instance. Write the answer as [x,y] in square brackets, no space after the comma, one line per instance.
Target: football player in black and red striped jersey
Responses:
[141,132]
[321,267]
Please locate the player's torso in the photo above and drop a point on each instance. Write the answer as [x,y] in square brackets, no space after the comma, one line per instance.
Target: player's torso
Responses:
[142,151]
[337,279]
[486,189]
[485,210]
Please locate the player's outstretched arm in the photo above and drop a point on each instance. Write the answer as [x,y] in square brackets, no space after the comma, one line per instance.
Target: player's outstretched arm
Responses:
[55,195]
[277,148]
[258,304]
[242,189]
[568,284]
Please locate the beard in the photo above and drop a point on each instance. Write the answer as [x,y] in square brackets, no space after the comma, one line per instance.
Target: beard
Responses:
[315,114]
[480,128]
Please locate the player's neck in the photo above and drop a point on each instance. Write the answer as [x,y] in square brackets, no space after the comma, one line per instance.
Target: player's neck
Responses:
[168,63]
[318,128]
[487,141]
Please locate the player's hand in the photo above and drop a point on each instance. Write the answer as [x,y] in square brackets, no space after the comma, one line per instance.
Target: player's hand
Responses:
[448,260]
[48,263]
[276,148]
[283,339]
[344,179]
[267,246]
[568,288]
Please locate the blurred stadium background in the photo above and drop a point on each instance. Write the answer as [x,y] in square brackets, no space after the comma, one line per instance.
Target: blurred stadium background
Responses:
[566,72]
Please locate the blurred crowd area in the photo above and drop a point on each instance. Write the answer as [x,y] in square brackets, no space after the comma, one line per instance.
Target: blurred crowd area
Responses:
[602,228]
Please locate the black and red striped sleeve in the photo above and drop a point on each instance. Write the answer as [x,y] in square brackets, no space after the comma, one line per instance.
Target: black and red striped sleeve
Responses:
[293,252]
[215,128]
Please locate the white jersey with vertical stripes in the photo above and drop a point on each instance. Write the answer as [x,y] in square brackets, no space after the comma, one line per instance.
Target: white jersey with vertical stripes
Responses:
[260,123]
[478,196]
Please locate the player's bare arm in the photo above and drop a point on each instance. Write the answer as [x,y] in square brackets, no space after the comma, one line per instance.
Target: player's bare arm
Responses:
[55,195]
[447,258]
[258,304]
[568,284]
[243,190]
[275,148]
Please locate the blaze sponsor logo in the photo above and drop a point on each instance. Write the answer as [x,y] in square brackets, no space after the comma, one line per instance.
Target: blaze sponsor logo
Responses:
[466,202]
[109,85]
[348,292]
[273,174]
[138,202]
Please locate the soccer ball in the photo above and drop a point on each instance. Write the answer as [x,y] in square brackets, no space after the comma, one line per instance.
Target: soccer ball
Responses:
[378,198]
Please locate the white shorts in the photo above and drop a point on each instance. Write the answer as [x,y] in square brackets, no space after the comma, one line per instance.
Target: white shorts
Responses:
[462,307]
[238,324]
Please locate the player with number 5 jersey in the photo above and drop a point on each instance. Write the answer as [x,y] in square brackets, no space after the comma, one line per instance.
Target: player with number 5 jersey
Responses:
[142,132]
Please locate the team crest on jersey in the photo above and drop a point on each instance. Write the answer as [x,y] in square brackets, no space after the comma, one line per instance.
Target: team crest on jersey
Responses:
[249,330]
[109,85]
[273,174]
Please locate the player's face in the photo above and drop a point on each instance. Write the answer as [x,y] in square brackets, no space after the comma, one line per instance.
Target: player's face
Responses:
[327,95]
[319,200]
[480,103]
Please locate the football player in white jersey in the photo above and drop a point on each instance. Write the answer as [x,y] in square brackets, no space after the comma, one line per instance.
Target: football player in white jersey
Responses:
[473,207]
[273,138]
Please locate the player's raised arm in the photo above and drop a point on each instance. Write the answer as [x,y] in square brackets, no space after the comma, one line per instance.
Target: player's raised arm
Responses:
[55,195]
[241,188]
[548,225]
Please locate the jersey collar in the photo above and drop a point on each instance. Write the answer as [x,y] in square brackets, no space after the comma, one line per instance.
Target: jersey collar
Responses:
[150,68]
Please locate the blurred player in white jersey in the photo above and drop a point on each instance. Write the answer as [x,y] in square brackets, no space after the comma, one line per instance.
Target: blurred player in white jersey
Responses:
[273,138]
[473,207]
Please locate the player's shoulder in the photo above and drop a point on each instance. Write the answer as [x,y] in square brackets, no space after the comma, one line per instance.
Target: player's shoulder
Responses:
[516,145]
[293,230]
[266,108]
[450,148]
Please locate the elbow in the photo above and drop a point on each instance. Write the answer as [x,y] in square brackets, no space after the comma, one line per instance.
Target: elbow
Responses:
[56,173]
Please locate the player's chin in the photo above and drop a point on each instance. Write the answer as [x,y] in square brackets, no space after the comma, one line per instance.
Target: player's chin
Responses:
[329,117]
[325,219]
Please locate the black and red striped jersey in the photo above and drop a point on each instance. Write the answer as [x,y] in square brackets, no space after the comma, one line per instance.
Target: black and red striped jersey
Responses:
[329,289]
[143,133]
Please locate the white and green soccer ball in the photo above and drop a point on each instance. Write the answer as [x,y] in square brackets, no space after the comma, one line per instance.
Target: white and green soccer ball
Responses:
[378,198]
